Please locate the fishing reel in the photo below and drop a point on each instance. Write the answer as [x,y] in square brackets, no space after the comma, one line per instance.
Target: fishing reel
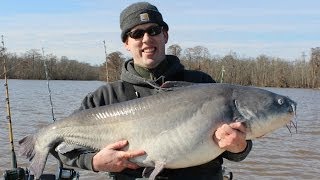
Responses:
[227,174]
[67,174]
[21,174]
[14,174]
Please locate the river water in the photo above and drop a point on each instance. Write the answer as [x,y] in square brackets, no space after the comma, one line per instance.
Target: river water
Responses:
[280,155]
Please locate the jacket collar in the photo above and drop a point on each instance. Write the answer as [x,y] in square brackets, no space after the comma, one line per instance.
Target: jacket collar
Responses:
[138,76]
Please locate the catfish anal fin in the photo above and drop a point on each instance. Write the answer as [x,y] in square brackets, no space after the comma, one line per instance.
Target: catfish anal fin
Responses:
[157,169]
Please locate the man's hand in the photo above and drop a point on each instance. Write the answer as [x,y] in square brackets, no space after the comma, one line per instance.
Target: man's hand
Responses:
[112,159]
[231,137]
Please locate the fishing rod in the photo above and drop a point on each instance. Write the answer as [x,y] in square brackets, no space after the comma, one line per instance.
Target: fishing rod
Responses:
[48,84]
[13,154]
[15,172]
[62,173]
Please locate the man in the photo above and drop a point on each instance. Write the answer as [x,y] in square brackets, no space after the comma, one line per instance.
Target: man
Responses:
[145,34]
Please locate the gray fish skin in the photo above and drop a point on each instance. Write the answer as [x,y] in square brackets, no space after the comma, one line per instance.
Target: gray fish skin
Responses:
[175,128]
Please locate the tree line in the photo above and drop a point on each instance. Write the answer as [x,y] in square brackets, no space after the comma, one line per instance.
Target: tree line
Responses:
[31,65]
[262,71]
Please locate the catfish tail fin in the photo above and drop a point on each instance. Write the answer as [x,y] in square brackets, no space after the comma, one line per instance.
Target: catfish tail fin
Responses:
[26,147]
[38,157]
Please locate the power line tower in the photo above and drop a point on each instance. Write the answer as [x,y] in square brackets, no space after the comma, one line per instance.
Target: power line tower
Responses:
[106,55]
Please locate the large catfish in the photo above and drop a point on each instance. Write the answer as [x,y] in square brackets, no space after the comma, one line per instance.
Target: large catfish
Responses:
[175,128]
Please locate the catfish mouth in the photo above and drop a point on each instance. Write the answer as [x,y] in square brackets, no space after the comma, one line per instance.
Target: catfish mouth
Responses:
[291,126]
[261,128]
[292,123]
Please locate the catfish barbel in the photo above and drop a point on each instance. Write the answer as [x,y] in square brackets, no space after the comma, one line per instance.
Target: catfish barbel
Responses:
[174,128]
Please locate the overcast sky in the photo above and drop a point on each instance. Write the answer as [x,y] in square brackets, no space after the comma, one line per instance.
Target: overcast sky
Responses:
[77,28]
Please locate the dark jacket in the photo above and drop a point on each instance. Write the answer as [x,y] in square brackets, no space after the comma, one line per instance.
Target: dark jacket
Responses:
[133,85]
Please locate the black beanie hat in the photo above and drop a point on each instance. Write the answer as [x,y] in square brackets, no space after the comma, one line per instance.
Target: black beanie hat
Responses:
[139,13]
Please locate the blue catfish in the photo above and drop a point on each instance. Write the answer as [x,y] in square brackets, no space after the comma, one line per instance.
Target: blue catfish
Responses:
[174,128]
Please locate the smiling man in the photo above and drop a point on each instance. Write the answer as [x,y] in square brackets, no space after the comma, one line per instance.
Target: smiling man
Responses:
[145,34]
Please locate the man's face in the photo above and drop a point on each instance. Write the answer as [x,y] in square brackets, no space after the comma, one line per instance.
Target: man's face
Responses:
[147,51]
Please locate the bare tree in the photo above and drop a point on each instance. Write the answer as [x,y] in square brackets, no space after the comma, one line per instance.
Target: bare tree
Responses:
[194,56]
[174,49]
[115,61]
[315,67]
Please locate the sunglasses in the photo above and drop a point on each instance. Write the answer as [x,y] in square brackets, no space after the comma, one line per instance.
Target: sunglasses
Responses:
[139,33]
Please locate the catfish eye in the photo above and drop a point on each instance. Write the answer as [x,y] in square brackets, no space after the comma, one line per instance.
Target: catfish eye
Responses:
[280,101]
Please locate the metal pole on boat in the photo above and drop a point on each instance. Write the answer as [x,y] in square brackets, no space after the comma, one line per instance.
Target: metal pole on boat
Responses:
[13,154]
